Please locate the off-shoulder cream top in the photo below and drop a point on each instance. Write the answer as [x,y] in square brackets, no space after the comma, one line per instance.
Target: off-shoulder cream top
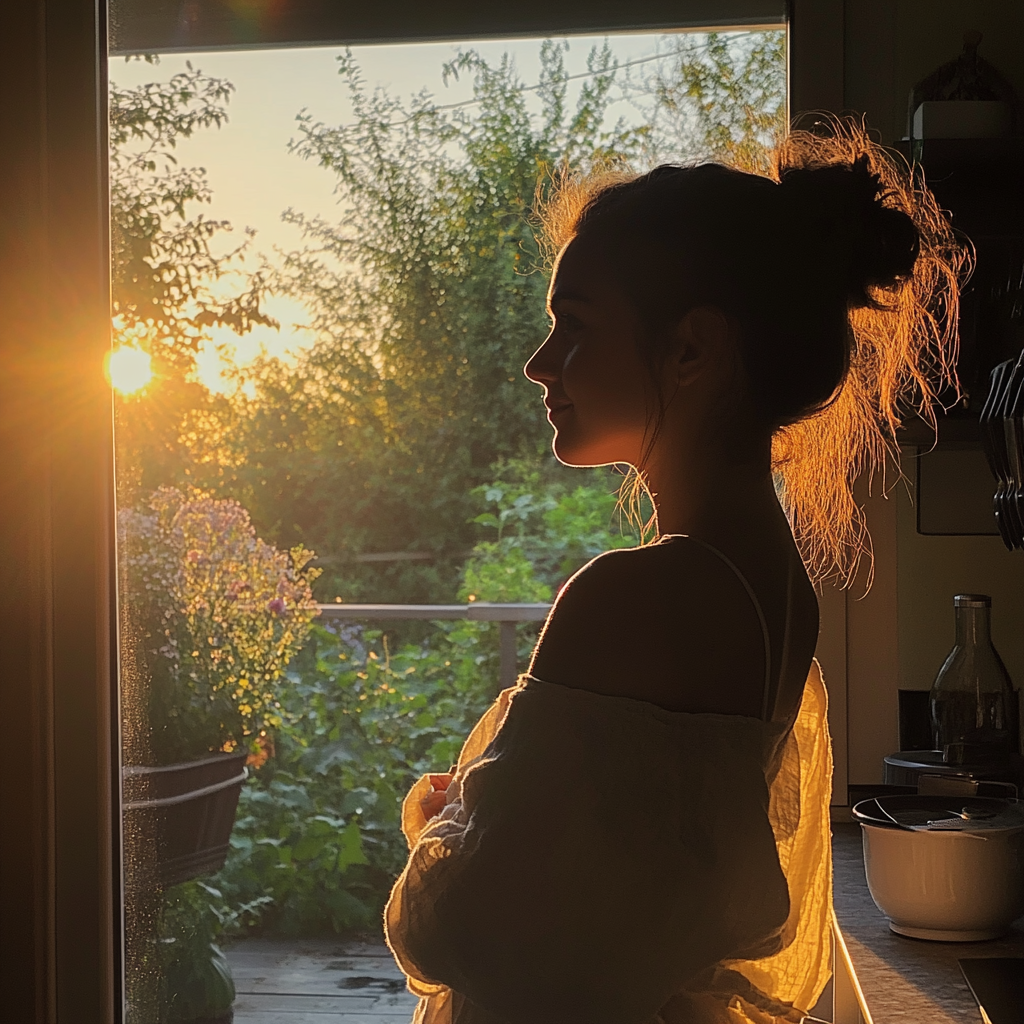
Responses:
[602,860]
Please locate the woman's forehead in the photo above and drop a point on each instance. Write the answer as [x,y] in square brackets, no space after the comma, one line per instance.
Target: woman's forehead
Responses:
[579,272]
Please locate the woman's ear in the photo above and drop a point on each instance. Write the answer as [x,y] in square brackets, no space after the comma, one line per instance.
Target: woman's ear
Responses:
[703,339]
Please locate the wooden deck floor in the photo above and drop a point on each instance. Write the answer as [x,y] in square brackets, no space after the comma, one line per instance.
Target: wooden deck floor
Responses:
[317,982]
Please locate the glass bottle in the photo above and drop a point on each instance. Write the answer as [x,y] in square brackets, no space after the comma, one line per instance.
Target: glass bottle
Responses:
[973,703]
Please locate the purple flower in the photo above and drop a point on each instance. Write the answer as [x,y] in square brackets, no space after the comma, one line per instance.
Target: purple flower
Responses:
[276,606]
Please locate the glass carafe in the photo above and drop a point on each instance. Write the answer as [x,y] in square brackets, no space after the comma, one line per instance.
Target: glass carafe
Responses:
[973,703]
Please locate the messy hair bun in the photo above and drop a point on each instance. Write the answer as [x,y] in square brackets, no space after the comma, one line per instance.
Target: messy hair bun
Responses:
[838,208]
[843,275]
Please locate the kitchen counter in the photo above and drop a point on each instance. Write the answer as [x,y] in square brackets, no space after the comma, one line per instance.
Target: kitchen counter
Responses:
[901,980]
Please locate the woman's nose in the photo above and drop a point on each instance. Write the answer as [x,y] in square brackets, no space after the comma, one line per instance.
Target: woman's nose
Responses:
[541,368]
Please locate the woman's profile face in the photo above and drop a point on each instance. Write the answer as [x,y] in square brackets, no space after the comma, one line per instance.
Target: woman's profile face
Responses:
[597,388]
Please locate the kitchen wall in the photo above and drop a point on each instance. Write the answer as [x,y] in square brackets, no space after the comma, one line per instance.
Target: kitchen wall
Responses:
[898,634]
[891,44]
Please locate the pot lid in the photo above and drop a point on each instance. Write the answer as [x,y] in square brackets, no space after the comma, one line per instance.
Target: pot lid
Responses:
[932,763]
[941,813]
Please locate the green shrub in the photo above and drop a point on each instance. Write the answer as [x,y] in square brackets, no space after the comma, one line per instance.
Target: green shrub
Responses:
[175,970]
[318,830]
[195,978]
[544,528]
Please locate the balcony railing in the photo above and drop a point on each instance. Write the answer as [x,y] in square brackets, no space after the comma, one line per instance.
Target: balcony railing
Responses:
[506,615]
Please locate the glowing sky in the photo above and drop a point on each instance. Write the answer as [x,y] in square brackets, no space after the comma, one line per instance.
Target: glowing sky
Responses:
[253,176]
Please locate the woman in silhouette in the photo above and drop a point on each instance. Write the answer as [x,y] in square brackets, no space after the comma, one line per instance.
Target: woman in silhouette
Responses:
[637,833]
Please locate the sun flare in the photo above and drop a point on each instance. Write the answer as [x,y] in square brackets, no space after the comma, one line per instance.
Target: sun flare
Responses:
[129,369]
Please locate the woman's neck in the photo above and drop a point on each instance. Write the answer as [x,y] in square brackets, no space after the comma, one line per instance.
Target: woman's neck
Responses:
[709,495]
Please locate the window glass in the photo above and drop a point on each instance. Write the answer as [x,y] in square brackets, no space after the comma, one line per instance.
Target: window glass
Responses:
[327,279]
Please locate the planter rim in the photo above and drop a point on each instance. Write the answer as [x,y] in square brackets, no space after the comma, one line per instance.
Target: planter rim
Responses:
[143,769]
[192,794]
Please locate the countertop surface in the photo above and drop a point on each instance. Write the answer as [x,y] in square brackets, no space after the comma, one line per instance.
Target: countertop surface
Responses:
[904,981]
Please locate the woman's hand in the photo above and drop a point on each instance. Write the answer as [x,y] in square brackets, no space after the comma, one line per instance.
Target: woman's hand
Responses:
[435,801]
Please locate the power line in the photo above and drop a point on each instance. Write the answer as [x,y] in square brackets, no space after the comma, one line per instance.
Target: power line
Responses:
[536,88]
[568,78]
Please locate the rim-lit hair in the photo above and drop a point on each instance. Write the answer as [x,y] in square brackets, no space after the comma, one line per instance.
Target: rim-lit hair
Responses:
[843,273]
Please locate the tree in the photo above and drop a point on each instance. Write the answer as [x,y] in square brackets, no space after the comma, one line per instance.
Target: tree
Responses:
[426,300]
[165,265]
[716,97]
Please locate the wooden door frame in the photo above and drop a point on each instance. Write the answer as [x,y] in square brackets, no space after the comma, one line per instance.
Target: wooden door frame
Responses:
[58,892]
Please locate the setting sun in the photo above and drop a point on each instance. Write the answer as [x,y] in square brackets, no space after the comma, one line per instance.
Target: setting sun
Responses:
[129,369]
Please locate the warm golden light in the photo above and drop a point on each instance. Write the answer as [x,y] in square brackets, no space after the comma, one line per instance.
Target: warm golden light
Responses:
[129,369]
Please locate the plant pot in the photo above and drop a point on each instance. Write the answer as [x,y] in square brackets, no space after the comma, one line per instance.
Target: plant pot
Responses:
[178,818]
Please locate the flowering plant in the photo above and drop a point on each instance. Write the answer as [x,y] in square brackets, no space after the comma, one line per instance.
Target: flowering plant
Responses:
[217,614]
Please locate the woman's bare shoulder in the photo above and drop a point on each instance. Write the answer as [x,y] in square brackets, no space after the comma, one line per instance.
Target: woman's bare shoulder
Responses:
[665,608]
[676,568]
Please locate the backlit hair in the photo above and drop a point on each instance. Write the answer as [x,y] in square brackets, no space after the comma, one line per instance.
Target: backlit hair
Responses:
[844,275]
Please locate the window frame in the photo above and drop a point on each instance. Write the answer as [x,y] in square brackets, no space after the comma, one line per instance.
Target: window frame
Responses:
[139,26]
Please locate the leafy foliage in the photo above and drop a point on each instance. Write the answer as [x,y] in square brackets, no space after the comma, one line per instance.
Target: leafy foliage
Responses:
[162,260]
[716,97]
[318,829]
[220,614]
[544,524]
[423,297]
[175,970]
[166,262]
[426,303]
[195,980]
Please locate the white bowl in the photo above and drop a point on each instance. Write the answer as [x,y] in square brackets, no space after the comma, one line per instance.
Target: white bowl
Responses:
[949,886]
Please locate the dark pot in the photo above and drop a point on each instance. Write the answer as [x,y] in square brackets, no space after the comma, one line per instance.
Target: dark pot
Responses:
[178,818]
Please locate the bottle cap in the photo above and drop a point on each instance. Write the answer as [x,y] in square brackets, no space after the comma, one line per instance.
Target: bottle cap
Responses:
[972,601]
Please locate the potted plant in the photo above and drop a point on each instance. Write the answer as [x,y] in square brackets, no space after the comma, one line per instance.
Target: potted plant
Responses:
[211,615]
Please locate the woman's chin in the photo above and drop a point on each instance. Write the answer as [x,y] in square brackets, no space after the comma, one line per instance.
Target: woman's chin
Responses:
[577,456]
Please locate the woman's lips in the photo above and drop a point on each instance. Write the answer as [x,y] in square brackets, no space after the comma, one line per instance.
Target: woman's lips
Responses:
[554,408]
